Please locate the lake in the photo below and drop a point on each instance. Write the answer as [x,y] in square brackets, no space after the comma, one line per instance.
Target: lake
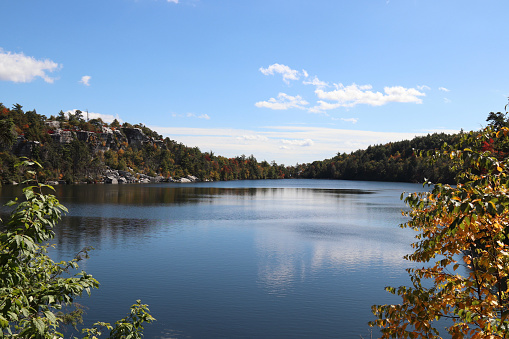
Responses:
[288,258]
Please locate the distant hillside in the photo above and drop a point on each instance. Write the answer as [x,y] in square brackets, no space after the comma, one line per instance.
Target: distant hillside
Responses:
[394,161]
[72,149]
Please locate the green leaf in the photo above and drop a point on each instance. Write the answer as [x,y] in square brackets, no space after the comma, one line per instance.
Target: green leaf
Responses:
[39,324]
[3,322]
[50,316]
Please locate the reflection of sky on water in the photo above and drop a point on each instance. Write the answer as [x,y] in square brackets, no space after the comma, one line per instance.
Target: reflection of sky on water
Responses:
[282,261]
[303,258]
[303,248]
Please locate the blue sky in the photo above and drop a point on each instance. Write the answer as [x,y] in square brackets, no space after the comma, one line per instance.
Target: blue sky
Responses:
[284,80]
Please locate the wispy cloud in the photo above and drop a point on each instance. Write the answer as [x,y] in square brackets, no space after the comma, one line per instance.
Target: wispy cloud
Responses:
[301,143]
[85,80]
[316,82]
[352,95]
[267,143]
[287,72]
[253,137]
[283,102]
[322,107]
[352,120]
[447,101]
[174,1]
[17,67]
[424,88]
[191,115]
[443,89]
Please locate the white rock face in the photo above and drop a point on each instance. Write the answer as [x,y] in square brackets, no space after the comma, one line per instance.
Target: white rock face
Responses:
[53,124]
[111,180]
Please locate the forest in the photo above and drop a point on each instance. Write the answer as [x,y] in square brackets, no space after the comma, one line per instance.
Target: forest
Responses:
[73,149]
[403,161]
[76,156]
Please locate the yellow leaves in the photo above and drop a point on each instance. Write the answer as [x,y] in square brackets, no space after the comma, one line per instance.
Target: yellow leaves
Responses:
[503,130]
[469,220]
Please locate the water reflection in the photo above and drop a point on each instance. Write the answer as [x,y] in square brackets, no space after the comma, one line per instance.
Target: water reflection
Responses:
[76,232]
[303,258]
[286,258]
[148,195]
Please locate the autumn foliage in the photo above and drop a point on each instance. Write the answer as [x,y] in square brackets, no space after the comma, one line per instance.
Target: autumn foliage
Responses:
[462,244]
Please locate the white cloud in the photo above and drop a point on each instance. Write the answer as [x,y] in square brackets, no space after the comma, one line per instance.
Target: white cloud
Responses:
[352,120]
[283,102]
[267,144]
[322,107]
[191,115]
[424,88]
[174,1]
[302,143]
[287,72]
[17,67]
[85,80]
[443,89]
[253,137]
[349,96]
[447,101]
[91,115]
[316,82]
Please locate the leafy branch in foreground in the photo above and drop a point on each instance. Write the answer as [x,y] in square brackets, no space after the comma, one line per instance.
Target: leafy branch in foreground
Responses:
[34,288]
[462,225]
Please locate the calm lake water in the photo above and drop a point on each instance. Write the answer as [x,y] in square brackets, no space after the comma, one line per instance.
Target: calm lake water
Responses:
[244,259]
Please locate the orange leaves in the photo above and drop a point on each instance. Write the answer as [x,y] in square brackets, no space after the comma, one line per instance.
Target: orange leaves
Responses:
[470,220]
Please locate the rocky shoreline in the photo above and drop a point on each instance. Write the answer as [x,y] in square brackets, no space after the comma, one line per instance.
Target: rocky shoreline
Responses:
[114,177]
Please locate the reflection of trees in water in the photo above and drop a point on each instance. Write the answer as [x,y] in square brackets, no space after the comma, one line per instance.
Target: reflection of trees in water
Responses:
[143,194]
[109,227]
[74,233]
[162,194]
[94,219]
[123,194]
[172,194]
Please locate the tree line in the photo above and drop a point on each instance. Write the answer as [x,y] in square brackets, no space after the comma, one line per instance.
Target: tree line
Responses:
[394,161]
[87,160]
